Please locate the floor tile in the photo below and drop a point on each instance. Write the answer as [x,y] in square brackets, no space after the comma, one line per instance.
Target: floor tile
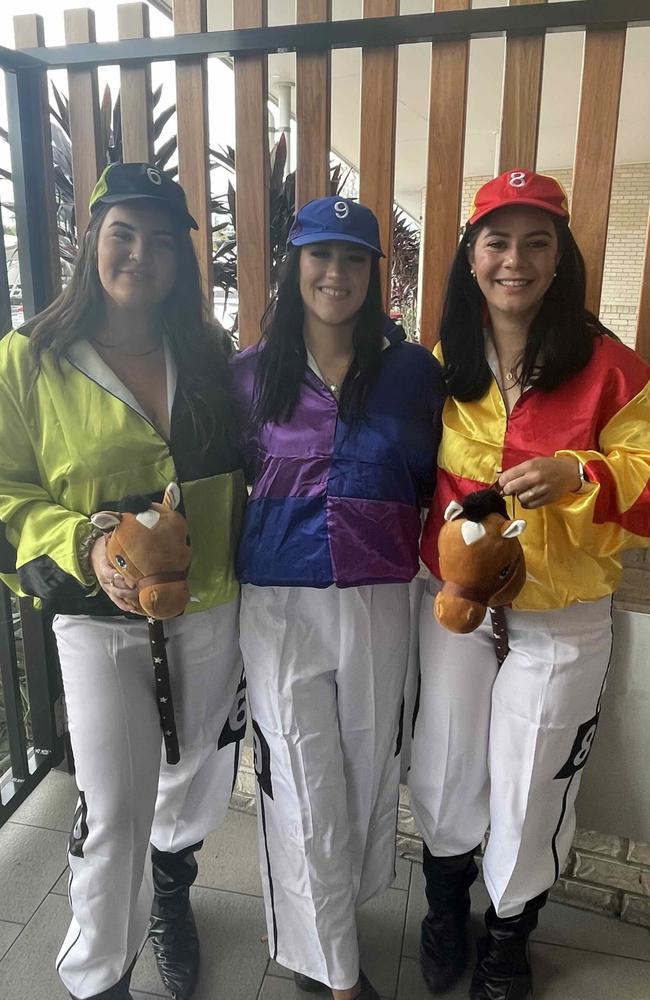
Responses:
[51,804]
[412,986]
[60,887]
[574,928]
[417,908]
[228,858]
[233,955]
[281,988]
[31,861]
[8,934]
[278,970]
[27,970]
[570,974]
[381,928]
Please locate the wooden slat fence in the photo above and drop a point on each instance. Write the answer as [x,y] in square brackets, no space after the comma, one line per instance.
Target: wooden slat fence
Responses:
[313,109]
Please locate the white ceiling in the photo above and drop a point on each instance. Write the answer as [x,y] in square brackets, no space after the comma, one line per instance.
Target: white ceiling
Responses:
[560,93]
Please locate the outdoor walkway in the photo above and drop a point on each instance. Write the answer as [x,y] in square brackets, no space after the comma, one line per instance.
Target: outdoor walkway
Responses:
[576,955]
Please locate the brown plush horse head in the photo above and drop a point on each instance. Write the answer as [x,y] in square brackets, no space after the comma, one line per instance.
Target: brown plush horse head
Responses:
[149,545]
[481,560]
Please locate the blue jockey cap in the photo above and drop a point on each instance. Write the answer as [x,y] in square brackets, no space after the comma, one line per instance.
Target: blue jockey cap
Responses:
[336,218]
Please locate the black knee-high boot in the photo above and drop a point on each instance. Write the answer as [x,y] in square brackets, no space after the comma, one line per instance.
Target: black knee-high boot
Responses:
[172,929]
[503,970]
[443,941]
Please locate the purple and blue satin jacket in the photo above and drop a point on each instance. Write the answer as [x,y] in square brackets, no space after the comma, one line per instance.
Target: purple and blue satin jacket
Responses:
[332,504]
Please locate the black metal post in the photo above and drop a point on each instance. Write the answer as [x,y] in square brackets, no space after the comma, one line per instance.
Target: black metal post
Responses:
[6,322]
[33,199]
[11,691]
[43,683]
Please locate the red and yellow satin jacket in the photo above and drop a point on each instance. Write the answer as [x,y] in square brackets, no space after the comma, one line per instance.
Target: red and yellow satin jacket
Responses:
[600,416]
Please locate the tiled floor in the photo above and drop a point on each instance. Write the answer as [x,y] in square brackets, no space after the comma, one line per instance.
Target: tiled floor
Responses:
[576,955]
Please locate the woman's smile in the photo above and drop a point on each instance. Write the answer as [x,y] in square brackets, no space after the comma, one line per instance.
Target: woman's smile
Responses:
[334,280]
[513,259]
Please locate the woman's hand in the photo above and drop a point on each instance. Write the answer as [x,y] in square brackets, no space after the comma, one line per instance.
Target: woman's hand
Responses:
[118,588]
[540,481]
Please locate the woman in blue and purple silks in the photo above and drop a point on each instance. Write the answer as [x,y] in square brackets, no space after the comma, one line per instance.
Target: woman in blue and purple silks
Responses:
[341,414]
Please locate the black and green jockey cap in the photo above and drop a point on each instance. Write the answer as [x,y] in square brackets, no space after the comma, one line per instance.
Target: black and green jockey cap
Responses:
[130,181]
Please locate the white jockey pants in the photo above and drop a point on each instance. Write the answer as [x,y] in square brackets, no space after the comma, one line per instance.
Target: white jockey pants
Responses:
[325,673]
[506,747]
[129,796]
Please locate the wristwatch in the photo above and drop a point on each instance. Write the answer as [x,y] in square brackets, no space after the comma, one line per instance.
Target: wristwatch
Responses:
[584,478]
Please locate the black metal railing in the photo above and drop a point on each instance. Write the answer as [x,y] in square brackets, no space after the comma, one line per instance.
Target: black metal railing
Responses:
[32,716]
[32,724]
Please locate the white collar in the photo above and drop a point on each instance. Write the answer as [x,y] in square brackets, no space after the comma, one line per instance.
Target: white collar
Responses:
[311,361]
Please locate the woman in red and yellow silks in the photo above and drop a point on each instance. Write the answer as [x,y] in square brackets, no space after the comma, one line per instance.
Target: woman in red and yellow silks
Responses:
[547,404]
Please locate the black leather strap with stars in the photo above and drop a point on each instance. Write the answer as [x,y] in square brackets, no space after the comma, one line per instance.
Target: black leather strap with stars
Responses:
[499,634]
[163,690]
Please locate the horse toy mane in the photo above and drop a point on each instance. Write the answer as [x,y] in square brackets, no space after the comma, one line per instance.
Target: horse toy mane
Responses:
[482,562]
[149,544]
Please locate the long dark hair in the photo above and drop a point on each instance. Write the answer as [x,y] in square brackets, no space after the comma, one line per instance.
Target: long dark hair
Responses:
[200,347]
[283,356]
[561,337]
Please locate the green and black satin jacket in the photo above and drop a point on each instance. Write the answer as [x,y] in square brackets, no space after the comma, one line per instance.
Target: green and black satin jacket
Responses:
[76,441]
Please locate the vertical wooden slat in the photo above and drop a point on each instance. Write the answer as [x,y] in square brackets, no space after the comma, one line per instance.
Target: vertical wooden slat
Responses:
[643,319]
[135,88]
[600,92]
[444,183]
[253,251]
[522,93]
[85,132]
[378,119]
[29,32]
[313,109]
[193,137]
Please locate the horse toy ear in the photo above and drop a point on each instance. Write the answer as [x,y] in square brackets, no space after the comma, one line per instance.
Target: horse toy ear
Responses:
[107,520]
[481,560]
[453,510]
[513,529]
[172,497]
